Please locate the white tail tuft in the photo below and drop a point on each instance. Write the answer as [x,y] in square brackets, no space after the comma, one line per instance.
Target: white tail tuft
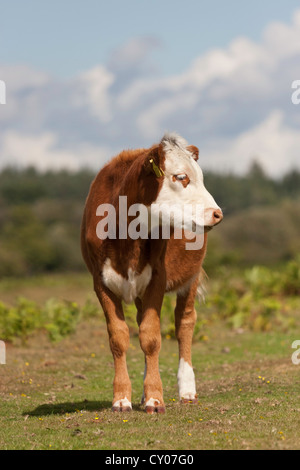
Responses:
[201,289]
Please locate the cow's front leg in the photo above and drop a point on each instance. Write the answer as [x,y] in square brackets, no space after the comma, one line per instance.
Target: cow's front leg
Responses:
[185,319]
[119,342]
[150,340]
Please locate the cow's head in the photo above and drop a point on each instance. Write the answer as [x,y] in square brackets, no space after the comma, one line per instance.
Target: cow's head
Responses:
[182,186]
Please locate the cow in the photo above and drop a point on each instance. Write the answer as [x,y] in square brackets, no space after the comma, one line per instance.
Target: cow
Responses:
[141,269]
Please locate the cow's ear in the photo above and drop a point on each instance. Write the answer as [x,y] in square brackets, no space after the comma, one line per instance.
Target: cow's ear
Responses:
[153,162]
[194,151]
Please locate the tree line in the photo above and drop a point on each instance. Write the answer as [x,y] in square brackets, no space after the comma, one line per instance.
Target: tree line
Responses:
[40,216]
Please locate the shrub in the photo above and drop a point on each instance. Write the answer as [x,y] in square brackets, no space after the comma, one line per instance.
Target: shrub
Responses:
[290,284]
[61,318]
[19,321]
[259,298]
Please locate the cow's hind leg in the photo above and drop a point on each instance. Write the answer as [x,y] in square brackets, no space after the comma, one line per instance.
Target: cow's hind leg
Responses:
[119,342]
[185,319]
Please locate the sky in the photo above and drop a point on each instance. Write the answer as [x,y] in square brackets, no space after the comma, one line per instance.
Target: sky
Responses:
[85,79]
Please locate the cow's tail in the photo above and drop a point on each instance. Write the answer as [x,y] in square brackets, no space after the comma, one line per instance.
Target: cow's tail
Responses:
[202,282]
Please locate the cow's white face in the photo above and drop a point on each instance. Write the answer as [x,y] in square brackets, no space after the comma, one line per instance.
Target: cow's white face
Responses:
[183,189]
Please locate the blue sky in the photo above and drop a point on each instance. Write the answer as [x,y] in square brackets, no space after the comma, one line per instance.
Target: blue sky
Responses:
[86,79]
[64,37]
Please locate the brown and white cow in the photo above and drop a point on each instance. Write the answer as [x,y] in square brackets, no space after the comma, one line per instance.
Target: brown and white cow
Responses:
[142,269]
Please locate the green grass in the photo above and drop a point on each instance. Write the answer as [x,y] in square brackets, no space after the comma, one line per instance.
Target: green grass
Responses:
[58,396]
[74,287]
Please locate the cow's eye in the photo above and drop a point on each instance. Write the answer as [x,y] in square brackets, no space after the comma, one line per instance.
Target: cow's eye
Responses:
[181,177]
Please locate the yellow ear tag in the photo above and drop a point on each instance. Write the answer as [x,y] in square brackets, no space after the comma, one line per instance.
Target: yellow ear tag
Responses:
[158,171]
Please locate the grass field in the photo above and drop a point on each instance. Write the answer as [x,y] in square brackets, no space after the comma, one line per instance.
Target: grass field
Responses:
[58,395]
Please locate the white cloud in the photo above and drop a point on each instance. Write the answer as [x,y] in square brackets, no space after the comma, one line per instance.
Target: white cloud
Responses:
[43,153]
[19,77]
[234,103]
[281,40]
[94,92]
[274,145]
[133,53]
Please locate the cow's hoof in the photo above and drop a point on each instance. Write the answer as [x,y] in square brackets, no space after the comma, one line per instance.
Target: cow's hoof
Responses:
[191,401]
[154,406]
[122,406]
[150,410]
[123,409]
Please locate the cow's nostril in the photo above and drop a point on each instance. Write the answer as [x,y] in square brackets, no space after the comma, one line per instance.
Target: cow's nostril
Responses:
[213,216]
[218,216]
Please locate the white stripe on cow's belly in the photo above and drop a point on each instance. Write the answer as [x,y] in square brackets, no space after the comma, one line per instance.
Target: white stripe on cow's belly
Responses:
[186,380]
[127,289]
